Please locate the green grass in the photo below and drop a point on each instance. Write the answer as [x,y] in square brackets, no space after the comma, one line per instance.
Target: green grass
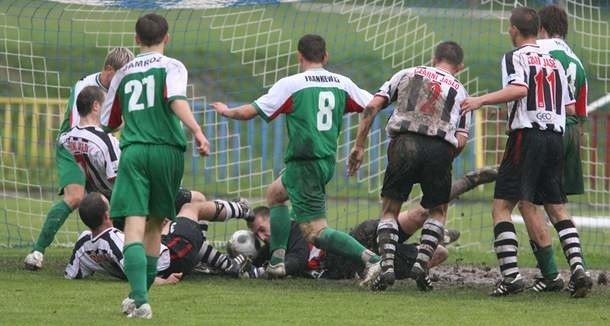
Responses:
[45,297]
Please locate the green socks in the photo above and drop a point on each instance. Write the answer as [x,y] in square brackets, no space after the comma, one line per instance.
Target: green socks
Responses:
[280,231]
[343,244]
[151,270]
[135,269]
[546,260]
[56,217]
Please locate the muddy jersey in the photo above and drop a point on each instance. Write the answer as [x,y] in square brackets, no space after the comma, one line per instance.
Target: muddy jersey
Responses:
[97,153]
[547,89]
[575,71]
[314,102]
[140,95]
[427,102]
[71,117]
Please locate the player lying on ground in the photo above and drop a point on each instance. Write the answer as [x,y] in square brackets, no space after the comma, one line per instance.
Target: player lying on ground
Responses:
[300,257]
[427,131]
[72,179]
[314,102]
[530,173]
[183,244]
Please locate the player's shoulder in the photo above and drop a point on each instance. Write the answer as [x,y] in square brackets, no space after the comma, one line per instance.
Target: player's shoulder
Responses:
[87,80]
[173,63]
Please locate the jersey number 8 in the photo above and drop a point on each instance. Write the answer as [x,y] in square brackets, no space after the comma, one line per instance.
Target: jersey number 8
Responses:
[326,104]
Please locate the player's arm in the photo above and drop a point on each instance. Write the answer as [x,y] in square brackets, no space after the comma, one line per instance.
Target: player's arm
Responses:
[173,278]
[507,94]
[74,269]
[244,112]
[364,127]
[183,110]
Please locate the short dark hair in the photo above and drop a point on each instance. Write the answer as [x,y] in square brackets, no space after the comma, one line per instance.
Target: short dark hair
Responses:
[312,47]
[92,209]
[554,20]
[151,29]
[86,97]
[449,51]
[526,20]
[259,210]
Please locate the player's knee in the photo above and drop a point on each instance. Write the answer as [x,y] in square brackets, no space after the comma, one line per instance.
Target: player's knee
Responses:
[276,194]
[73,196]
[197,196]
[312,230]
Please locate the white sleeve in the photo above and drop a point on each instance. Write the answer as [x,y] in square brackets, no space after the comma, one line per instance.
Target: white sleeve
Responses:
[74,269]
[389,89]
[176,80]
[357,98]
[111,166]
[277,100]
[111,109]
[164,259]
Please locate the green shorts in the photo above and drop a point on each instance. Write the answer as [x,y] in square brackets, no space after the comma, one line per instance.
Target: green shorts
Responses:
[148,180]
[572,167]
[305,182]
[68,171]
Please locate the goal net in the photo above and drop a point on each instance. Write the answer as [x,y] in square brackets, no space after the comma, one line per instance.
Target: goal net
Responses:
[234,51]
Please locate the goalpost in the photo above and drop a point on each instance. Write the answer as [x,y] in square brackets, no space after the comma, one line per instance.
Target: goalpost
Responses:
[234,51]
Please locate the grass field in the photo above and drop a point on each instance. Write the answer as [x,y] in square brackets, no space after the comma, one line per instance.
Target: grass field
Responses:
[45,297]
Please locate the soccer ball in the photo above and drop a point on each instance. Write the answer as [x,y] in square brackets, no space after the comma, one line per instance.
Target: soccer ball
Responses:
[242,242]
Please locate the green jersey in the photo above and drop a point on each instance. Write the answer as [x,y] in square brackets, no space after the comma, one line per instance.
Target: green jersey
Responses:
[71,116]
[140,95]
[577,78]
[314,102]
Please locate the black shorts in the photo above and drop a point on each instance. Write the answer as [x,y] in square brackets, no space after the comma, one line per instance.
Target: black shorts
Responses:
[531,168]
[184,241]
[183,196]
[415,158]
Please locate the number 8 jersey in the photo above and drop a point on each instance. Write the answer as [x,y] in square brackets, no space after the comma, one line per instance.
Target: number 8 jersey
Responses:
[314,102]
[140,95]
[547,89]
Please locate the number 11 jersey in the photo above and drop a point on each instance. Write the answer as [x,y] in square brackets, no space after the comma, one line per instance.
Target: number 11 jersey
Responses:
[140,95]
[314,102]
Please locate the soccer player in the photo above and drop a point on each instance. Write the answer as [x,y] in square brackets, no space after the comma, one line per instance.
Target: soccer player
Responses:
[71,177]
[314,102]
[427,131]
[148,95]
[553,31]
[183,244]
[536,89]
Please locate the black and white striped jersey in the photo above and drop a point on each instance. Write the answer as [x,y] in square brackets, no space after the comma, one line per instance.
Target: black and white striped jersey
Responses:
[104,254]
[428,102]
[547,89]
[97,153]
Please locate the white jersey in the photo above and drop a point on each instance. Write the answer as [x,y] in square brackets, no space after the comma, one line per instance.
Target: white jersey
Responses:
[104,254]
[97,153]
[428,103]
[547,89]
[71,116]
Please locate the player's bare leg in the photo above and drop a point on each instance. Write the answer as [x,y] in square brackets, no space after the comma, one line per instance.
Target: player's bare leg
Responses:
[505,246]
[56,217]
[580,281]
[277,200]
[540,241]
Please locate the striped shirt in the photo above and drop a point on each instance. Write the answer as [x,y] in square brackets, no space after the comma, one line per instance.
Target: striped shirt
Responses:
[547,89]
[97,153]
[428,103]
[104,254]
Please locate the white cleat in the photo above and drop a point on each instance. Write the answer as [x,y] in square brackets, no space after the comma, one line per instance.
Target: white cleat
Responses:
[128,305]
[144,312]
[33,261]
[370,274]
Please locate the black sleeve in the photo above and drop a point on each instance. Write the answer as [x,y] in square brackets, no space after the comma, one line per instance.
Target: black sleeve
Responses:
[297,253]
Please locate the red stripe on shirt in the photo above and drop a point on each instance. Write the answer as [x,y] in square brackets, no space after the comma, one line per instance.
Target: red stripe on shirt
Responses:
[115,119]
[352,106]
[581,102]
[286,107]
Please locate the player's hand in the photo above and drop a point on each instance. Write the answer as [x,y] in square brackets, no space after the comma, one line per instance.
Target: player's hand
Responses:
[203,146]
[173,278]
[220,108]
[354,160]
[471,104]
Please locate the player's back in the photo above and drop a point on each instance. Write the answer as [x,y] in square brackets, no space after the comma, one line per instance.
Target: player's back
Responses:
[428,101]
[547,90]
[102,253]
[71,117]
[140,95]
[97,153]
[314,102]
[574,69]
